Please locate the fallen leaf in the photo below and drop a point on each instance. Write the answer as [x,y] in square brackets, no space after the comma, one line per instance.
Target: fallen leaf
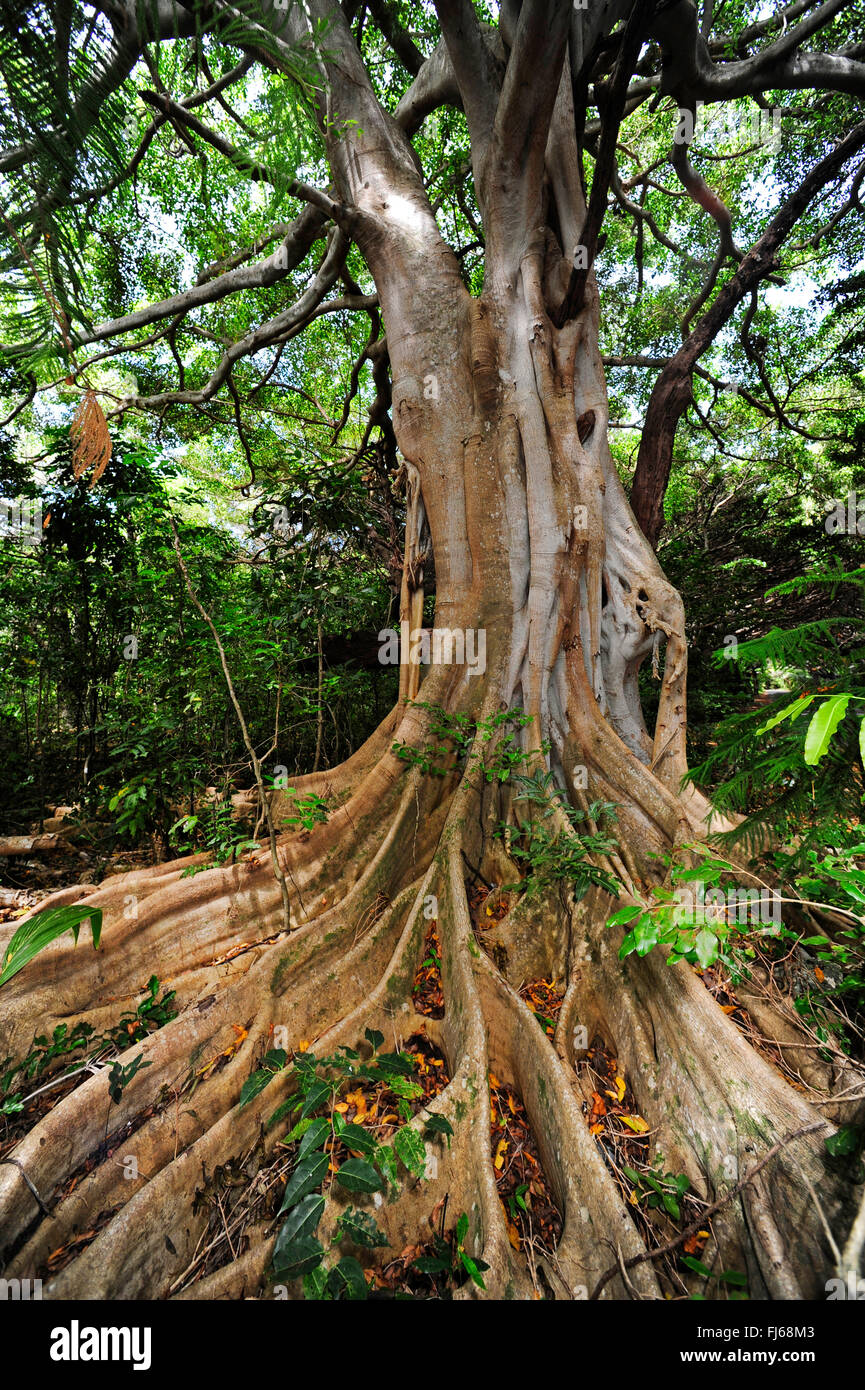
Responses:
[635,1122]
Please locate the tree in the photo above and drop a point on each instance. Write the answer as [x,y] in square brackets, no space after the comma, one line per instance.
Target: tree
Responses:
[496,400]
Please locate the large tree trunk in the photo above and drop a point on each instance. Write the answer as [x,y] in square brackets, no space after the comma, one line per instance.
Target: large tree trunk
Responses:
[502,419]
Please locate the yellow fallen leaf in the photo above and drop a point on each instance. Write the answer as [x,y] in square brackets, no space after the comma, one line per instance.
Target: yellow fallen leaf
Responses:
[342,1107]
[303,1045]
[635,1122]
[596,1129]
[633,1199]
[704,1235]
[620,1087]
[500,1155]
[513,1235]
[494,1082]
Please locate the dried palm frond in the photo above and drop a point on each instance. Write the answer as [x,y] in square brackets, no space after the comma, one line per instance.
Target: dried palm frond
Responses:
[91,441]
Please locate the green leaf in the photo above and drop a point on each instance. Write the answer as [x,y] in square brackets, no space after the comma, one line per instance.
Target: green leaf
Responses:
[672,1206]
[625,914]
[356,1175]
[357,1139]
[359,1227]
[646,935]
[846,1141]
[310,1171]
[696,1266]
[473,1269]
[374,1038]
[315,1135]
[300,1224]
[347,1280]
[788,712]
[43,928]
[254,1085]
[628,945]
[437,1124]
[299,1257]
[822,727]
[707,947]
[386,1160]
[399,1062]
[732,1276]
[862,742]
[402,1086]
[315,1097]
[410,1149]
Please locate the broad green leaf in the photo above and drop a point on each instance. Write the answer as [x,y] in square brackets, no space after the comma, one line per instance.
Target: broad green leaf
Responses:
[356,1175]
[359,1227]
[347,1280]
[696,1266]
[300,1223]
[788,712]
[707,948]
[299,1257]
[846,1141]
[357,1139]
[437,1124]
[402,1086]
[822,727]
[39,931]
[255,1084]
[399,1062]
[625,914]
[410,1149]
[316,1097]
[314,1136]
[309,1172]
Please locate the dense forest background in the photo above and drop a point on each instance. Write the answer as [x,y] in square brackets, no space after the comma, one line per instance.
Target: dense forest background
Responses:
[242,549]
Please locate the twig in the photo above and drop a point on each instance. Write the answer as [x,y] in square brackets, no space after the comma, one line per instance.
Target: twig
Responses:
[20,1167]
